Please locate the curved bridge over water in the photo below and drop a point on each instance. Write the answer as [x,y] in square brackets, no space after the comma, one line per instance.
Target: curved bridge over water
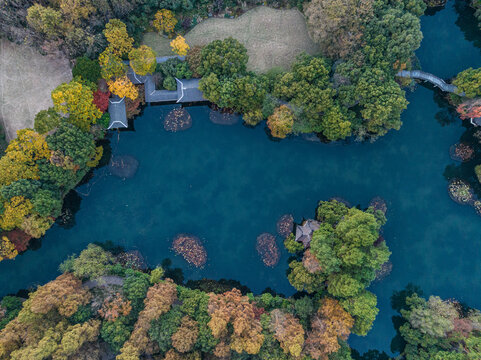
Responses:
[433,79]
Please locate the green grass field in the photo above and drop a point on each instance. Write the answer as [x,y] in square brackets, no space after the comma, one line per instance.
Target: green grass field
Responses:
[272,37]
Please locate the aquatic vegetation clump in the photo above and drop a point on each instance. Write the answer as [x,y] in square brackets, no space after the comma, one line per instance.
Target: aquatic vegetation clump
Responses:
[191,249]
[177,120]
[461,152]
[123,166]
[460,191]
[268,250]
[285,225]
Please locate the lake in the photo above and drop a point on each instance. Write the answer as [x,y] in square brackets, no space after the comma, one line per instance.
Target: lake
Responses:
[228,184]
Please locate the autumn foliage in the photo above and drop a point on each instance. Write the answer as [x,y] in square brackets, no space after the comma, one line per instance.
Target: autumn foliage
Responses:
[101,100]
[233,308]
[330,324]
[165,21]
[179,46]
[281,121]
[159,299]
[123,87]
[115,306]
[288,331]
[469,109]
[120,42]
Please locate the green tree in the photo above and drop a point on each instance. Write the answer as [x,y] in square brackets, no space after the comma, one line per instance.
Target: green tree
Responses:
[87,69]
[135,288]
[225,58]
[71,142]
[90,264]
[469,82]
[363,309]
[116,333]
[46,120]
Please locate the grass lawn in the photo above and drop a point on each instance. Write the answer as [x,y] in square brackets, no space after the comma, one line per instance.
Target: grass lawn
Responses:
[26,80]
[272,37]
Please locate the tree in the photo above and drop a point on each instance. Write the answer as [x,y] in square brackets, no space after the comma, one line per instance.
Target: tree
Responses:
[115,333]
[92,262]
[31,144]
[281,121]
[158,301]
[46,203]
[337,25]
[231,307]
[143,60]
[87,69]
[70,144]
[469,109]
[46,120]
[331,323]
[114,306]
[164,327]
[225,58]
[111,65]
[123,87]
[184,339]
[363,309]
[164,21]
[35,225]
[16,209]
[179,46]
[76,100]
[64,294]
[120,42]
[101,100]
[194,59]
[7,249]
[469,82]
[45,20]
[288,331]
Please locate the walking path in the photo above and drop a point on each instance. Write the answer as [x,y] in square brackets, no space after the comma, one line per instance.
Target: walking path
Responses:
[433,79]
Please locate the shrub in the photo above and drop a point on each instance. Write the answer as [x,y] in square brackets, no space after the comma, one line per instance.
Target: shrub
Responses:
[170,83]
[87,69]
[46,120]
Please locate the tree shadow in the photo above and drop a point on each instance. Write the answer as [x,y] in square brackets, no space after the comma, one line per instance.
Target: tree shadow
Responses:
[398,303]
[467,22]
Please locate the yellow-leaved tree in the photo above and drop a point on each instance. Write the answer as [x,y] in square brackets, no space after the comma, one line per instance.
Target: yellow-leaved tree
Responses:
[31,144]
[164,21]
[76,100]
[179,46]
[142,60]
[7,249]
[15,211]
[120,42]
[123,87]
[111,65]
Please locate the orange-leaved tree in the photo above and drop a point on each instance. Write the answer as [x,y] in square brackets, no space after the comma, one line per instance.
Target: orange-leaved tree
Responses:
[159,299]
[288,331]
[331,323]
[281,121]
[231,307]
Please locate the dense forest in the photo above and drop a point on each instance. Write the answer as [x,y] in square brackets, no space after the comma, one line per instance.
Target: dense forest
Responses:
[104,302]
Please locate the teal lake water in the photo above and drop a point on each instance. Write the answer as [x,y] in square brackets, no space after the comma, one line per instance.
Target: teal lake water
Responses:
[228,184]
